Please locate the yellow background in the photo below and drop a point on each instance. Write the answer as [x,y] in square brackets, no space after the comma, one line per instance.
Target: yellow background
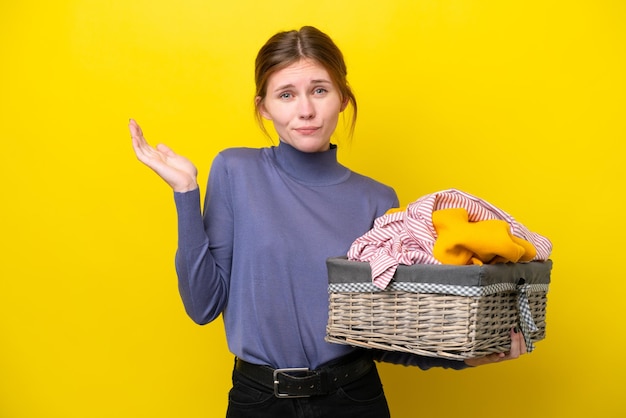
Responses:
[520,103]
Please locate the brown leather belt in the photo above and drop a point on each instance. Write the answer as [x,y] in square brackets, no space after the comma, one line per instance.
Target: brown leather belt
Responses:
[302,382]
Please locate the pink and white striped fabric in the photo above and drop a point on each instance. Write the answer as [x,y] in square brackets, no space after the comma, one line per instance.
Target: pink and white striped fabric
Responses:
[407,237]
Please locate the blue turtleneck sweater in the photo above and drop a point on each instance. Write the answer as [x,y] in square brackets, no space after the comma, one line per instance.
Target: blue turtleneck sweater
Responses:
[257,254]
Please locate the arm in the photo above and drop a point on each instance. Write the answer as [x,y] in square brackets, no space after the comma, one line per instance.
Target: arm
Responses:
[200,280]
[518,347]
[203,264]
[423,362]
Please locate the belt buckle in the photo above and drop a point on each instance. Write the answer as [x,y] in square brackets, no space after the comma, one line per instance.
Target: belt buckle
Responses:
[277,392]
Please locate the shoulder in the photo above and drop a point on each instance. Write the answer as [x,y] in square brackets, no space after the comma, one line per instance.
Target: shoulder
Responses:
[374,185]
[383,195]
[237,158]
[239,154]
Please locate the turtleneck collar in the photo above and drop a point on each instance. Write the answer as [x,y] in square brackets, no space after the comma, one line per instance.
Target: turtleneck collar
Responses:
[311,168]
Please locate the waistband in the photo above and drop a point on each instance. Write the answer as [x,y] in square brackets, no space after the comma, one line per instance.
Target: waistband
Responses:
[303,382]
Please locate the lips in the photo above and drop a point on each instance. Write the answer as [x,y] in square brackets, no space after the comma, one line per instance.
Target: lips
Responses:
[307,130]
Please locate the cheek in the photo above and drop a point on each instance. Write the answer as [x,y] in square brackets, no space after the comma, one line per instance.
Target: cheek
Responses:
[333,112]
[281,120]
[338,107]
[280,114]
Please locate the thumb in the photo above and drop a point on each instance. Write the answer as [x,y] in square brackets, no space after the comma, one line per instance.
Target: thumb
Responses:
[165,150]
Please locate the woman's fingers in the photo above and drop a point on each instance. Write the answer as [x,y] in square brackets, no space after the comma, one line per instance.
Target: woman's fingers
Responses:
[140,145]
[165,150]
[518,344]
[135,129]
[518,348]
[135,133]
[145,153]
[176,170]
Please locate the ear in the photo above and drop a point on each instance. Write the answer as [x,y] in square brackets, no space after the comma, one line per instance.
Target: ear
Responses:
[258,102]
[344,104]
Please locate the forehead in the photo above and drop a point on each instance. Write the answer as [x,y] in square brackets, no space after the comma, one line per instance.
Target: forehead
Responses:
[302,72]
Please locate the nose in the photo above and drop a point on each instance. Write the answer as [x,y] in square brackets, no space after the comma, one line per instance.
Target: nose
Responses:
[306,109]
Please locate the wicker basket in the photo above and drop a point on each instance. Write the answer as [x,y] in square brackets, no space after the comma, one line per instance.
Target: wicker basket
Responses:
[453,312]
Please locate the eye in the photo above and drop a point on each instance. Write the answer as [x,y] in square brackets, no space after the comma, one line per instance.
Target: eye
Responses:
[285,95]
[320,90]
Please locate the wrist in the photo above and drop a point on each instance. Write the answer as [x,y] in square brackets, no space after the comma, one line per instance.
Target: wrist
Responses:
[186,188]
[469,362]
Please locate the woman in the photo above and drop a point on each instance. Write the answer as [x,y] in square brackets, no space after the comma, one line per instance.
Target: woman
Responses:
[272,216]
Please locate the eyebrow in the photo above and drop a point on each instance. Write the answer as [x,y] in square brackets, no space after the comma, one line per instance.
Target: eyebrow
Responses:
[289,86]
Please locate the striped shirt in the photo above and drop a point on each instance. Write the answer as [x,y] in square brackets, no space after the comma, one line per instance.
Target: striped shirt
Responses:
[407,237]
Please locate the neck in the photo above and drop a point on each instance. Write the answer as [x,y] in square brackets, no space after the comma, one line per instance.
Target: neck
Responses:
[314,168]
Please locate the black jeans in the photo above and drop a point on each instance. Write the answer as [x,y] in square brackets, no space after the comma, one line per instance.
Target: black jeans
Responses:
[363,398]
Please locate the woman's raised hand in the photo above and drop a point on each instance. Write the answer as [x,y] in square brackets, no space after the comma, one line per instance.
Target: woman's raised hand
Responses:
[176,170]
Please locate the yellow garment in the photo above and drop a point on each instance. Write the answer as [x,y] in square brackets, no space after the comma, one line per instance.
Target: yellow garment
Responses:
[460,241]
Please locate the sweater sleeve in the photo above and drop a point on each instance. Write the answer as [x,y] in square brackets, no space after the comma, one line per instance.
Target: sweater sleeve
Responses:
[204,247]
[423,362]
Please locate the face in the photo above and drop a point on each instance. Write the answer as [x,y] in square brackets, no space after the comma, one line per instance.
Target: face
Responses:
[303,104]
